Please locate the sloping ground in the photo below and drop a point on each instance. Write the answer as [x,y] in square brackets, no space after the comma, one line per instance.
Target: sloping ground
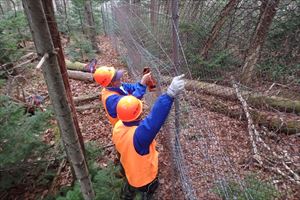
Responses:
[95,125]
[216,148]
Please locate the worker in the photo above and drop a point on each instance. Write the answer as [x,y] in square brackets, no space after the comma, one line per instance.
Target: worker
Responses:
[134,140]
[110,79]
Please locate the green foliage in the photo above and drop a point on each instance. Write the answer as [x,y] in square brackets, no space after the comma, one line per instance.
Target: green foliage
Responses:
[280,60]
[212,68]
[13,30]
[106,185]
[253,188]
[80,49]
[20,141]
[2,81]
[275,70]
[20,134]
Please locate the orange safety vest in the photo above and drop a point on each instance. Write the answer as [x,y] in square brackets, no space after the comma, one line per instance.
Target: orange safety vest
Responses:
[139,170]
[104,95]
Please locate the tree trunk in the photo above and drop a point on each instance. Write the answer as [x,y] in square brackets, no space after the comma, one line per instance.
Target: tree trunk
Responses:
[103,21]
[49,12]
[15,10]
[88,107]
[218,26]
[80,76]
[90,24]
[81,23]
[66,16]
[266,16]
[57,94]
[85,98]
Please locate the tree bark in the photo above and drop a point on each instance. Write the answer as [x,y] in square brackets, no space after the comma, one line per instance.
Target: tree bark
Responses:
[265,20]
[255,99]
[57,94]
[84,98]
[90,24]
[49,12]
[66,15]
[88,107]
[103,20]
[214,33]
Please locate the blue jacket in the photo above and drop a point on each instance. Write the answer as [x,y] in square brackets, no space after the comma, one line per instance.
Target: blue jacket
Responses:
[136,89]
[148,128]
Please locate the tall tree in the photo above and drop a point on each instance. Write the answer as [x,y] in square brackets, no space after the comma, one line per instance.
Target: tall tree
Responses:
[49,12]
[267,13]
[90,24]
[66,18]
[57,93]
[214,33]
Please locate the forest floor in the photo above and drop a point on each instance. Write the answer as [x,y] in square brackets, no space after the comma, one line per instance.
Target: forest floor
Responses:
[221,152]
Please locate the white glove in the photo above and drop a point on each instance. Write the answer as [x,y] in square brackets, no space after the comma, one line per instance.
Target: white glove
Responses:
[176,86]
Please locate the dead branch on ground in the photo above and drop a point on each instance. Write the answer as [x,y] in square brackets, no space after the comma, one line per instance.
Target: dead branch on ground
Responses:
[253,132]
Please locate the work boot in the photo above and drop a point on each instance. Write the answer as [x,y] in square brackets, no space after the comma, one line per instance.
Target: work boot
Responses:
[127,193]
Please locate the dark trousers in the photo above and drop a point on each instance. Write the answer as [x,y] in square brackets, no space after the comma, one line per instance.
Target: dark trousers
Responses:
[128,192]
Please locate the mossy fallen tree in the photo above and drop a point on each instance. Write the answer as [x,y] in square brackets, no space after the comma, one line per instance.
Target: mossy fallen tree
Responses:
[254,99]
[287,123]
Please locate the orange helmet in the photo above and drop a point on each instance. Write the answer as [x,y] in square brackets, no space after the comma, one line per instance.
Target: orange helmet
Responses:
[129,108]
[104,75]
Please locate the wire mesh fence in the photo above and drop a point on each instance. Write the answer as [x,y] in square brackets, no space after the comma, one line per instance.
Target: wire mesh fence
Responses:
[238,131]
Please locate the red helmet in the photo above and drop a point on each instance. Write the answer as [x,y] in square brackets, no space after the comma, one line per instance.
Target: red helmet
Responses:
[104,75]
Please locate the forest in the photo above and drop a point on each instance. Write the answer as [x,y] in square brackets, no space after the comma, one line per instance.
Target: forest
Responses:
[233,133]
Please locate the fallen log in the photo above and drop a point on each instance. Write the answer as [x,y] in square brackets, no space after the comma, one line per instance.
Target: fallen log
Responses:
[77,66]
[84,98]
[289,123]
[87,107]
[81,76]
[267,119]
[254,99]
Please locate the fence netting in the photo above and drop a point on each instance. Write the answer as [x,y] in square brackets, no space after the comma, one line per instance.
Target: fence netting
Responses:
[235,133]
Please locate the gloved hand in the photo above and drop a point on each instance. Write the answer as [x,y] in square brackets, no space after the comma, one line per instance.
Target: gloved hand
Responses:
[176,86]
[146,78]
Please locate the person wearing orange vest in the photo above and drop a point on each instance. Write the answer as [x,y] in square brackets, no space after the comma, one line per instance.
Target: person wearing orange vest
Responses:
[134,140]
[109,78]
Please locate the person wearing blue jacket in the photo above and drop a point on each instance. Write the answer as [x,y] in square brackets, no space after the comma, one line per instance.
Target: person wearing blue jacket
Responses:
[134,139]
[114,90]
